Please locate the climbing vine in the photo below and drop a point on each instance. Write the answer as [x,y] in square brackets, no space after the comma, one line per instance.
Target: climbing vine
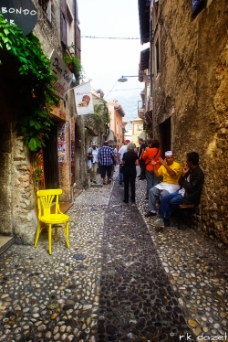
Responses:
[101,114]
[33,120]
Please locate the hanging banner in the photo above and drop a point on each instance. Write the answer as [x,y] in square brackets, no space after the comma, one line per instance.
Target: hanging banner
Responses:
[63,74]
[72,150]
[61,136]
[83,99]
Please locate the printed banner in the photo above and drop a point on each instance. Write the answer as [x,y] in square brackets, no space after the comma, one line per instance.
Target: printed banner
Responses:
[61,135]
[72,150]
[83,99]
[63,74]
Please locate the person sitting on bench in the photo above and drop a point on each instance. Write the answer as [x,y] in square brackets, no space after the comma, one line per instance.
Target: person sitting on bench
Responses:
[191,182]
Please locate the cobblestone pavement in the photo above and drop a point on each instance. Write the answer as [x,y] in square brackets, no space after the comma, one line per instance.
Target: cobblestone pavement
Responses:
[132,283]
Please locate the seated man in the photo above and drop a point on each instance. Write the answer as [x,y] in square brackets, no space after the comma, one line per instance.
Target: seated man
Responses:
[191,182]
[170,171]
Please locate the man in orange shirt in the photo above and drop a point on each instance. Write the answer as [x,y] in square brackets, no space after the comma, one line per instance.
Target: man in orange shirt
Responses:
[151,152]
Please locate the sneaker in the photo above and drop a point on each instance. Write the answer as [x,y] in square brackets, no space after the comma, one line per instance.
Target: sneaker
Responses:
[150,214]
[159,222]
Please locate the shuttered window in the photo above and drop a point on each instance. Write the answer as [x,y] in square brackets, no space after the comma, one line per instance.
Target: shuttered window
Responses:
[64,22]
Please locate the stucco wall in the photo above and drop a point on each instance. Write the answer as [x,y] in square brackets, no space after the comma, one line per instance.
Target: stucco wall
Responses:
[191,88]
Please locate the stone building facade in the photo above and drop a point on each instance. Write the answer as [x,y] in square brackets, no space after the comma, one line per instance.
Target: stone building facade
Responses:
[189,63]
[18,189]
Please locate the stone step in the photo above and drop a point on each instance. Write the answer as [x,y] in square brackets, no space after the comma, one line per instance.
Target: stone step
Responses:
[5,243]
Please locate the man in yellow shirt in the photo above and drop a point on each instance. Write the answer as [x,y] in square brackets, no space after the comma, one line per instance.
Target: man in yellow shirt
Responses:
[170,171]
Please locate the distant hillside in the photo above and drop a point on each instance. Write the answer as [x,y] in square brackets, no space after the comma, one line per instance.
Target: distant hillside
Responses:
[128,101]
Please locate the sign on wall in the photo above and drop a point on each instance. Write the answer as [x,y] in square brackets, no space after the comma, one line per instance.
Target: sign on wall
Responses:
[19,12]
[63,74]
[83,99]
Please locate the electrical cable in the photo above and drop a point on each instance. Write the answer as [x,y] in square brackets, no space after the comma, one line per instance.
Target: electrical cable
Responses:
[111,89]
[125,38]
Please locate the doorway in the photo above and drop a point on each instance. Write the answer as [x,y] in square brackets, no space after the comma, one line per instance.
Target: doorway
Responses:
[165,136]
[50,156]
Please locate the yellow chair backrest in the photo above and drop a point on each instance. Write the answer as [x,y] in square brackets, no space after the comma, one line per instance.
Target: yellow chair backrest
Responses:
[45,199]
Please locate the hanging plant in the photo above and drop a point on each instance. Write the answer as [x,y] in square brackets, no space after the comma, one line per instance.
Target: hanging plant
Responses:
[34,107]
[73,63]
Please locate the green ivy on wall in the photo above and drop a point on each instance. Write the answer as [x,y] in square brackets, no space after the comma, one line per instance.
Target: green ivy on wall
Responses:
[34,108]
[101,115]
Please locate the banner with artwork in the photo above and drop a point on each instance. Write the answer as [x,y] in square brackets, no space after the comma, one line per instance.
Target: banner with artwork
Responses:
[83,99]
[63,74]
[61,136]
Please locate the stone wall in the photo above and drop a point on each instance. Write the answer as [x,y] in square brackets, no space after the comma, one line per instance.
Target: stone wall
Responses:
[23,195]
[192,88]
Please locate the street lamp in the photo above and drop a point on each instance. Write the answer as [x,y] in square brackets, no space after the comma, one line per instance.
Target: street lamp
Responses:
[124,78]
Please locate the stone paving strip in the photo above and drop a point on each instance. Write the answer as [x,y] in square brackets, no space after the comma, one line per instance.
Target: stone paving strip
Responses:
[120,281]
[56,297]
[198,272]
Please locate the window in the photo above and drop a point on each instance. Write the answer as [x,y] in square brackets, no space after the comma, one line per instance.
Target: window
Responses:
[140,127]
[46,6]
[67,24]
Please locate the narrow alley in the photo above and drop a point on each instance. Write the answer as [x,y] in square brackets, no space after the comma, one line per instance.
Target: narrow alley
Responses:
[120,281]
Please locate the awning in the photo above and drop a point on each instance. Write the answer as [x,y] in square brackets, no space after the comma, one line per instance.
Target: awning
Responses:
[144,62]
[119,110]
[144,20]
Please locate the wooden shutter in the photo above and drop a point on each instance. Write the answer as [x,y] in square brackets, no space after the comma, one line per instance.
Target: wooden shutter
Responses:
[78,43]
[64,22]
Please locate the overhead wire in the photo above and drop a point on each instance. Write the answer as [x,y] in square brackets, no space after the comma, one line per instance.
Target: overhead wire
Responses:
[125,38]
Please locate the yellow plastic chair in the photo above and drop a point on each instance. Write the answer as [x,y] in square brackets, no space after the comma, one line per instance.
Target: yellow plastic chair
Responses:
[45,217]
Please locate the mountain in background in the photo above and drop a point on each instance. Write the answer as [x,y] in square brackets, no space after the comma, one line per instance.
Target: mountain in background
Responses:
[129,103]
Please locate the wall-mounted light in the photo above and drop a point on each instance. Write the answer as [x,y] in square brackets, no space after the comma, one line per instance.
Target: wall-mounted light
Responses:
[124,78]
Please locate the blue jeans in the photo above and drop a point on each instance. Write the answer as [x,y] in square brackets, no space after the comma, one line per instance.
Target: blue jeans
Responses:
[152,180]
[167,202]
[121,177]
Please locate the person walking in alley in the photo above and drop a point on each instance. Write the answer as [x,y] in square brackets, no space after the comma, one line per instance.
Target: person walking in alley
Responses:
[151,152]
[105,156]
[170,171]
[142,147]
[121,152]
[92,155]
[191,182]
[130,160]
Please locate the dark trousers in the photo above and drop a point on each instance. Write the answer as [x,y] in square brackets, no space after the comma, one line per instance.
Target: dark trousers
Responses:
[129,178]
[142,168]
[106,169]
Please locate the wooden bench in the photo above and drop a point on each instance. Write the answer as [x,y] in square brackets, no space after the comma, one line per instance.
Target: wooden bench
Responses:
[185,214]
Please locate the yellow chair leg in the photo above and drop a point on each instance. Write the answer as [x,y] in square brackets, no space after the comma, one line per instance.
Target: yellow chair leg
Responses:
[56,234]
[67,235]
[49,239]
[37,234]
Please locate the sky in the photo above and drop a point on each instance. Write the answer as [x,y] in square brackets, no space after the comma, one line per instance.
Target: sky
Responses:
[106,60]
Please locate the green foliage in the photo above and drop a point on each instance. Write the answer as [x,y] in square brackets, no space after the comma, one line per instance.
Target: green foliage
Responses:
[34,107]
[76,67]
[37,174]
[101,115]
